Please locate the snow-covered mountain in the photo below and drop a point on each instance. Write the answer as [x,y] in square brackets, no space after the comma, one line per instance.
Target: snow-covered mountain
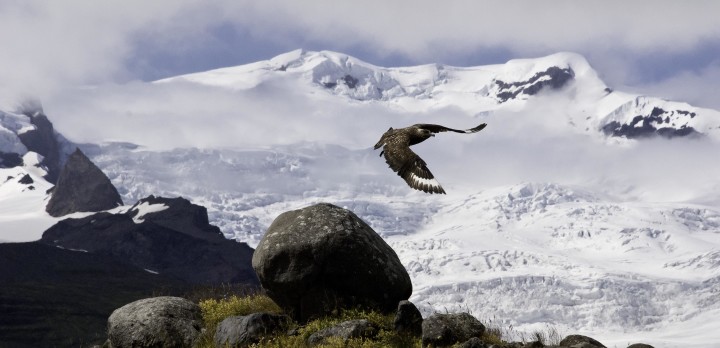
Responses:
[477,90]
[573,208]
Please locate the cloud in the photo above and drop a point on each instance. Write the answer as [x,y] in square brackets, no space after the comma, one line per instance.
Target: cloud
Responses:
[535,145]
[421,27]
[89,41]
[163,116]
[697,88]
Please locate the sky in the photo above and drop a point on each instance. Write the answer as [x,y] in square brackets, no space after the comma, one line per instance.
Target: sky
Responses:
[668,48]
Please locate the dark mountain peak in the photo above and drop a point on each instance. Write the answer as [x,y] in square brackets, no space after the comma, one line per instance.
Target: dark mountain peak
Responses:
[43,140]
[82,186]
[178,214]
[170,236]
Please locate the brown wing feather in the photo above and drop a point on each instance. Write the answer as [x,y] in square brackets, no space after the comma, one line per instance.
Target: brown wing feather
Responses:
[436,128]
[409,166]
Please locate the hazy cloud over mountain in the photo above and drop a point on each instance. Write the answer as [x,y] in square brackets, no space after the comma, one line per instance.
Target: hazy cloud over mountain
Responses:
[48,45]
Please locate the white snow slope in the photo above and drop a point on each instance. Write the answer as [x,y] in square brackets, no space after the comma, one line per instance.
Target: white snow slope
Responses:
[547,221]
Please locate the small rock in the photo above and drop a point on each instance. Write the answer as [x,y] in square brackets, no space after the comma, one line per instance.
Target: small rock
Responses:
[359,328]
[242,331]
[26,180]
[474,342]
[640,345]
[408,319]
[442,330]
[580,341]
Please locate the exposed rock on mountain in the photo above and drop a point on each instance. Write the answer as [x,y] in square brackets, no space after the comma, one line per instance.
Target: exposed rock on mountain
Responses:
[82,186]
[323,257]
[658,122]
[553,77]
[162,235]
[10,159]
[42,139]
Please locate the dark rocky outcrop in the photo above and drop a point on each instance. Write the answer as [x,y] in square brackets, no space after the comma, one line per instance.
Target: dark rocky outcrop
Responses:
[162,322]
[26,180]
[42,139]
[657,123]
[580,341]
[359,328]
[242,331]
[82,186]
[554,78]
[321,258]
[441,330]
[176,240]
[10,160]
[408,319]
[53,297]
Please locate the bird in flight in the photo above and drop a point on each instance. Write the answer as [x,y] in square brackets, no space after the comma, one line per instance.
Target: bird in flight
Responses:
[408,165]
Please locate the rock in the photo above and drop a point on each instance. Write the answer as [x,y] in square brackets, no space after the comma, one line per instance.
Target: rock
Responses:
[170,236]
[242,331]
[408,319]
[155,322]
[10,159]
[42,139]
[640,345]
[447,329]
[580,341]
[82,186]
[317,259]
[474,342]
[26,180]
[177,214]
[346,330]
[554,78]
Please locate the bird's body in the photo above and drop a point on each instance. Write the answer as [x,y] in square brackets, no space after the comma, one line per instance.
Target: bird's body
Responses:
[408,165]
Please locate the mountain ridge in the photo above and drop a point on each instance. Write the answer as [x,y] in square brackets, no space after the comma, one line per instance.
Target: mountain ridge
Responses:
[477,90]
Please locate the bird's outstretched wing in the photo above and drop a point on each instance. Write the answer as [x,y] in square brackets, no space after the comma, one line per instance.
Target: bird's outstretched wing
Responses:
[410,167]
[436,128]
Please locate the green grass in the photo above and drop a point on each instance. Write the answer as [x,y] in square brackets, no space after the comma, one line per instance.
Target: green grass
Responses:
[215,310]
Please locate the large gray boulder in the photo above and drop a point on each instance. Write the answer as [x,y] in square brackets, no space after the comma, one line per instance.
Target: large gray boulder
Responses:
[82,186]
[442,330]
[161,322]
[242,331]
[321,258]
